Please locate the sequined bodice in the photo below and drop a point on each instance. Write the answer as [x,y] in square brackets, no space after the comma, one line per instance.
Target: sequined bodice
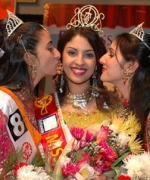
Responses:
[84,120]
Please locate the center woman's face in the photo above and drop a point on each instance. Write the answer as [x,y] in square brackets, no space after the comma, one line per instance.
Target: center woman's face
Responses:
[79,60]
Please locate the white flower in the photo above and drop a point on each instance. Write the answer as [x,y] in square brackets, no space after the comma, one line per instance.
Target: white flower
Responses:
[137,166]
[32,173]
[113,128]
[123,139]
[86,172]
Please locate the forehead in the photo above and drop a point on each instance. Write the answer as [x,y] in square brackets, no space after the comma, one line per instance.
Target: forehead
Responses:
[44,36]
[79,41]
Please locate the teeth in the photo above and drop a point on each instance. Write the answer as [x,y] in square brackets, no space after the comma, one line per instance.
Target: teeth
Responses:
[78,70]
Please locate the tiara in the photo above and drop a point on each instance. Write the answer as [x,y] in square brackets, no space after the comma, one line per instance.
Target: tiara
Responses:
[139,33]
[13,23]
[87,16]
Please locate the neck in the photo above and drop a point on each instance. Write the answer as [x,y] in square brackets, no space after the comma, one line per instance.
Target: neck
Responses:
[124,90]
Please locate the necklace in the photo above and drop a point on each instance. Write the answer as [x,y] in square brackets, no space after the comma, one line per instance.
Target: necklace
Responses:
[79,100]
[125,112]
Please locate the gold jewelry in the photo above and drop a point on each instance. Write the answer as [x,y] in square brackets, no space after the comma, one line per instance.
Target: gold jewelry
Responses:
[126,74]
[79,100]
[87,16]
[33,72]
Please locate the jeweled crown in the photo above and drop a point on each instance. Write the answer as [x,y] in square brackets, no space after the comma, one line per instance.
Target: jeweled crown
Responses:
[13,23]
[138,32]
[87,16]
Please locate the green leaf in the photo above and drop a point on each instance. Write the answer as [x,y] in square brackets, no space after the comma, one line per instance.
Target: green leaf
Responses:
[118,160]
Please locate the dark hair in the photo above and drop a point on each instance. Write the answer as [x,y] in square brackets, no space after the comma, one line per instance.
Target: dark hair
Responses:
[13,69]
[99,49]
[133,49]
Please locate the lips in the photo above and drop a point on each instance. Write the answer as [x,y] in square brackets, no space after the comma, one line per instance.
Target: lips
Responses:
[78,71]
[103,69]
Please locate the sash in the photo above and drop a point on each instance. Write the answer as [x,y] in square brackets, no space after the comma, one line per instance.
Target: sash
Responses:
[55,133]
[20,130]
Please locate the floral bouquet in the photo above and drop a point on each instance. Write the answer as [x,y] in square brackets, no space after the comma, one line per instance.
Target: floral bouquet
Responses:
[136,167]
[99,150]
[14,169]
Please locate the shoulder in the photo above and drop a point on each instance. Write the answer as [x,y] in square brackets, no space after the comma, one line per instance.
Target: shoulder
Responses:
[7,104]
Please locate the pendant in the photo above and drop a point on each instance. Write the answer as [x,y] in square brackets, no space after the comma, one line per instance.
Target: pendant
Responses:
[79,104]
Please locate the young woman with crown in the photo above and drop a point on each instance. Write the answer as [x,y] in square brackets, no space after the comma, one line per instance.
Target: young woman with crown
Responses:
[80,100]
[127,66]
[26,56]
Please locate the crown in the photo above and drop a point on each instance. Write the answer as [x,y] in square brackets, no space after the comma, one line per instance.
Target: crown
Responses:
[87,16]
[138,32]
[13,23]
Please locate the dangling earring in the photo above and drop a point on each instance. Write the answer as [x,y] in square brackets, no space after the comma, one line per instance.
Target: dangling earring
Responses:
[95,93]
[126,74]
[61,81]
[33,72]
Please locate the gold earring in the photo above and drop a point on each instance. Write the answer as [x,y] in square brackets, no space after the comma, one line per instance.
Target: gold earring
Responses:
[126,74]
[33,72]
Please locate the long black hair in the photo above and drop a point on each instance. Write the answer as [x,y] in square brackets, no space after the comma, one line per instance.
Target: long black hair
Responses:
[133,49]
[13,69]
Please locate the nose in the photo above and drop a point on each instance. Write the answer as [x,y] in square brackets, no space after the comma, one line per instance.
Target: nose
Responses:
[79,59]
[102,59]
[57,54]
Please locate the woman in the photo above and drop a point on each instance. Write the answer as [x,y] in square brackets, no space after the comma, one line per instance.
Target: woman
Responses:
[26,56]
[127,66]
[81,99]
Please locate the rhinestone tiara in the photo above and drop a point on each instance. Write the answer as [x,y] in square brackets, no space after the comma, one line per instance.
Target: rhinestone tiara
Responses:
[87,16]
[13,23]
[139,33]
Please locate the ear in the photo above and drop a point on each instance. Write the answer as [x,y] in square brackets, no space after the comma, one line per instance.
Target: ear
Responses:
[29,58]
[133,66]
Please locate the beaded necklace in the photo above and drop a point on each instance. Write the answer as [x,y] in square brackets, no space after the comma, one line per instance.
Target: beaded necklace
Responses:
[79,100]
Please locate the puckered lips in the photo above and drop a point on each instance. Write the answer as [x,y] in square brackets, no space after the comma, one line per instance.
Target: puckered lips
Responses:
[103,69]
[78,71]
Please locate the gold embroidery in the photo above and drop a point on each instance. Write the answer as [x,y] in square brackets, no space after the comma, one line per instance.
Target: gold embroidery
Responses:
[84,120]
[43,103]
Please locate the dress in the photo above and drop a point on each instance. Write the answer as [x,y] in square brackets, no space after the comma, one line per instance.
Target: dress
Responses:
[84,120]
[16,131]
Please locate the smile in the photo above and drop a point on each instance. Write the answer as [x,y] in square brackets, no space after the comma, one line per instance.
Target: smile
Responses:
[78,71]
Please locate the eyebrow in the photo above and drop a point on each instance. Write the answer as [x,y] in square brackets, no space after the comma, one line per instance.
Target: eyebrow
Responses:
[50,42]
[77,49]
[111,49]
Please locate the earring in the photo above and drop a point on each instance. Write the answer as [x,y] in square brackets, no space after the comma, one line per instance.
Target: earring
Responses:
[61,81]
[126,74]
[33,72]
[95,93]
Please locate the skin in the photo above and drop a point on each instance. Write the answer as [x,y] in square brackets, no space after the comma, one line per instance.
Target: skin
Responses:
[79,63]
[113,68]
[46,59]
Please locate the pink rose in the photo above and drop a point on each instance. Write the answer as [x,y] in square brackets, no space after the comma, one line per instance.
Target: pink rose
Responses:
[104,133]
